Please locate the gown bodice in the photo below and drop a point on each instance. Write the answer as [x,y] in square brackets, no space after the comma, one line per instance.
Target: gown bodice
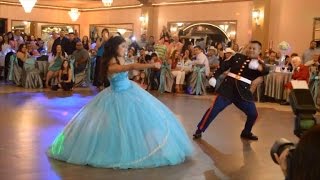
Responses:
[120,81]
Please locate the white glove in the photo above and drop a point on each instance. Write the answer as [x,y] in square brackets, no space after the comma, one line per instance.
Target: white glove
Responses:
[212,82]
[254,64]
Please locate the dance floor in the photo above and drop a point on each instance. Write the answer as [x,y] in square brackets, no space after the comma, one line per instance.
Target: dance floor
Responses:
[30,120]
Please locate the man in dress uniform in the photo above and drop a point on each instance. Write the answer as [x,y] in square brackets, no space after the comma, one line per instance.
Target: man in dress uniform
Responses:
[235,88]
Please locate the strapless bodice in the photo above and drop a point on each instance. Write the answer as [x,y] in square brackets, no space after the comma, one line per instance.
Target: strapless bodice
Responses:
[119,81]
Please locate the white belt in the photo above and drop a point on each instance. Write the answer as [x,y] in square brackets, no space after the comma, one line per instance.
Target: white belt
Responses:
[240,78]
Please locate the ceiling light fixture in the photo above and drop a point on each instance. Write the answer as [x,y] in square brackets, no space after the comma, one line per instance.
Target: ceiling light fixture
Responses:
[107,3]
[27,5]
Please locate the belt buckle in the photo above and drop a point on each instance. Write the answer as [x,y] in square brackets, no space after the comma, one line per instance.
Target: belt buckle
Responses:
[238,77]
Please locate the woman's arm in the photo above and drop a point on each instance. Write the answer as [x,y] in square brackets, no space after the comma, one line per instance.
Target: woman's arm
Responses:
[115,67]
[22,56]
[98,44]
[60,73]
[69,76]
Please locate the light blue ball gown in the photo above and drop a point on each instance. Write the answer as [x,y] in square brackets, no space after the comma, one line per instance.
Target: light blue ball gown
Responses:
[123,127]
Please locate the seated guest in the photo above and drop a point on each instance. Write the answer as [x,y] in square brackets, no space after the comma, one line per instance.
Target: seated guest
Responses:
[201,59]
[55,62]
[154,75]
[81,56]
[201,70]
[142,57]
[177,70]
[30,77]
[186,62]
[300,72]
[65,76]
[213,58]
[272,59]
[228,53]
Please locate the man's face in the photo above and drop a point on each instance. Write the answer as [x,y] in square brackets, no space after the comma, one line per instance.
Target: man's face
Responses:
[313,45]
[197,51]
[79,45]
[62,33]
[17,32]
[211,52]
[151,39]
[142,52]
[273,56]
[228,55]
[71,37]
[143,37]
[254,50]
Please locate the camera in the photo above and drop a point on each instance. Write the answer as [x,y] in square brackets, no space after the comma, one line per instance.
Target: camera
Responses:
[304,108]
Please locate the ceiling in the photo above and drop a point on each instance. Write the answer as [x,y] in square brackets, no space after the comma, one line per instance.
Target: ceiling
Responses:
[82,4]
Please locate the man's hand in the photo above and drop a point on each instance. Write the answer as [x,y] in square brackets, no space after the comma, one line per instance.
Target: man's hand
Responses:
[282,160]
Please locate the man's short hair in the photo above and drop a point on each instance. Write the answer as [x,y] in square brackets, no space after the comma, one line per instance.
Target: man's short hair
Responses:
[256,42]
[197,47]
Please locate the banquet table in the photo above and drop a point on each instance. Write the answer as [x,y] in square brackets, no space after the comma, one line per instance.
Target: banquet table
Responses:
[274,85]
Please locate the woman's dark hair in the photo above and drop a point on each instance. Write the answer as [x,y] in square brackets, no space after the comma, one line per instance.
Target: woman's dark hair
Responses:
[12,38]
[154,55]
[62,67]
[190,54]
[104,30]
[186,44]
[54,53]
[20,47]
[110,51]
[173,55]
[304,163]
[219,49]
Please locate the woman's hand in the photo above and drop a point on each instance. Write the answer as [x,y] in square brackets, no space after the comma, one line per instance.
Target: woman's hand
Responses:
[157,65]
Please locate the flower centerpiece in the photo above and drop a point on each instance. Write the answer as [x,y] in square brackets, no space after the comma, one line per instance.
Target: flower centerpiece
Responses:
[284,48]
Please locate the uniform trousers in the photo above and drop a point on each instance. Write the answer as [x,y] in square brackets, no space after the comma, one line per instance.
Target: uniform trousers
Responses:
[248,107]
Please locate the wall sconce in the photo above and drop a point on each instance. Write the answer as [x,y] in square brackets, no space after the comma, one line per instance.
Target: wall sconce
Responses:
[122,31]
[74,14]
[256,16]
[142,18]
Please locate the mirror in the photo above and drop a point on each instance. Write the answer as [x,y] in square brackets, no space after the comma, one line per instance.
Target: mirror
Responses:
[43,30]
[125,30]
[210,31]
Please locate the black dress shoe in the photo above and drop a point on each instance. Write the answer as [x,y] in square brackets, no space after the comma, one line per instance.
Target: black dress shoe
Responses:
[249,136]
[284,103]
[197,134]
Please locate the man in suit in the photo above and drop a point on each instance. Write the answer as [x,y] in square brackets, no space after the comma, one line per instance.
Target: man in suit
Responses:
[62,40]
[235,88]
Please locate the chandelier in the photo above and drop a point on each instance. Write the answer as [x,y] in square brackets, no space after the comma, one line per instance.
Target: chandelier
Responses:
[28,5]
[107,2]
[74,14]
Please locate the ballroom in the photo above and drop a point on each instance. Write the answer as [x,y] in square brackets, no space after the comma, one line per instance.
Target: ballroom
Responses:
[159,89]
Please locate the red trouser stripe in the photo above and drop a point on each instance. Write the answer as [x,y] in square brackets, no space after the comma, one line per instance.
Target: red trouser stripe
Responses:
[207,114]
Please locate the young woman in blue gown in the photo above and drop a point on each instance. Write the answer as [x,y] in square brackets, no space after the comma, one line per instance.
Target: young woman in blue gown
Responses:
[123,126]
